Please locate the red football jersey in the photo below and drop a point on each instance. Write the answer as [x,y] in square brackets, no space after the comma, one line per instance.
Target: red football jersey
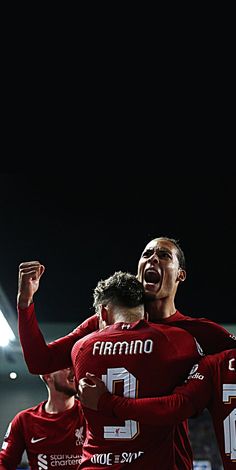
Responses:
[51,440]
[136,360]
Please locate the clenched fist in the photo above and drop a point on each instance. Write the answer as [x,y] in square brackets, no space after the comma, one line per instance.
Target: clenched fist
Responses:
[29,276]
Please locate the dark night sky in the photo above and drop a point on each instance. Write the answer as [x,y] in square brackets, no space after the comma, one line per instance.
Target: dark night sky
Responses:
[83,229]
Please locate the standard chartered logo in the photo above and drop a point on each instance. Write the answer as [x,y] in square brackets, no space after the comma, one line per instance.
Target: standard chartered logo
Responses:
[42,462]
[45,462]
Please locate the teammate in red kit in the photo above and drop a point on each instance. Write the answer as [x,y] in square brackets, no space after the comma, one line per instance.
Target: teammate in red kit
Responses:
[161,269]
[138,359]
[52,432]
[211,384]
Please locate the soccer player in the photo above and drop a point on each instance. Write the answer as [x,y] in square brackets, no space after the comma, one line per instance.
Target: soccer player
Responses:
[162,270]
[52,432]
[138,359]
[211,384]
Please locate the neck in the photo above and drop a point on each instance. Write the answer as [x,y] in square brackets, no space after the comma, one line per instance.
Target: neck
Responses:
[159,309]
[127,315]
[127,318]
[58,403]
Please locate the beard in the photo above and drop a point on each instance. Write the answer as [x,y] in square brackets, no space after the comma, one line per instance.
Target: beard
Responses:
[70,391]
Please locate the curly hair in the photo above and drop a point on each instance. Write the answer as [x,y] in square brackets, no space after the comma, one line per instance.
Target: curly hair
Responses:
[122,289]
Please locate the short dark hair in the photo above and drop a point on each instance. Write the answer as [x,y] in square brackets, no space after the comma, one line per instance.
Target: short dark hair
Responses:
[122,289]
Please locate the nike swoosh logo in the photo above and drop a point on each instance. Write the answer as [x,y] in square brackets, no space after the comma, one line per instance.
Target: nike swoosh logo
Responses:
[33,440]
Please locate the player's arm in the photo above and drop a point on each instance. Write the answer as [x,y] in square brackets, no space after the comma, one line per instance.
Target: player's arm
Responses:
[186,401]
[212,337]
[40,357]
[13,445]
[167,410]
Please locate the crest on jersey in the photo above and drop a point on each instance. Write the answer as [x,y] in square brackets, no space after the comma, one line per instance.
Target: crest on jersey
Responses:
[79,435]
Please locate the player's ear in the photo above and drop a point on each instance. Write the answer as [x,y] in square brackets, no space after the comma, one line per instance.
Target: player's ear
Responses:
[181,275]
[46,378]
[104,313]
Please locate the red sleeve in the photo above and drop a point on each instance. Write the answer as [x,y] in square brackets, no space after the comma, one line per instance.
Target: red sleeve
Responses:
[163,411]
[13,445]
[213,338]
[186,401]
[43,358]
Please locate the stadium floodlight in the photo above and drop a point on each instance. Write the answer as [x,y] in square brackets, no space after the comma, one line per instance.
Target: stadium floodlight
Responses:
[6,333]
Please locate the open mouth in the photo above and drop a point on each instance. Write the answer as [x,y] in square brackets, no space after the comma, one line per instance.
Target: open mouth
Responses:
[151,276]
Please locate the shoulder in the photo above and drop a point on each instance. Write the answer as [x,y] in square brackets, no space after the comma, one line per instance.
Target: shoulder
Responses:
[30,410]
[23,415]
[170,331]
[221,357]
[178,316]
[81,342]
[184,321]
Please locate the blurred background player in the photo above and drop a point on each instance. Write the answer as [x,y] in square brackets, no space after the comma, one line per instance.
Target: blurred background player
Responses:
[52,432]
